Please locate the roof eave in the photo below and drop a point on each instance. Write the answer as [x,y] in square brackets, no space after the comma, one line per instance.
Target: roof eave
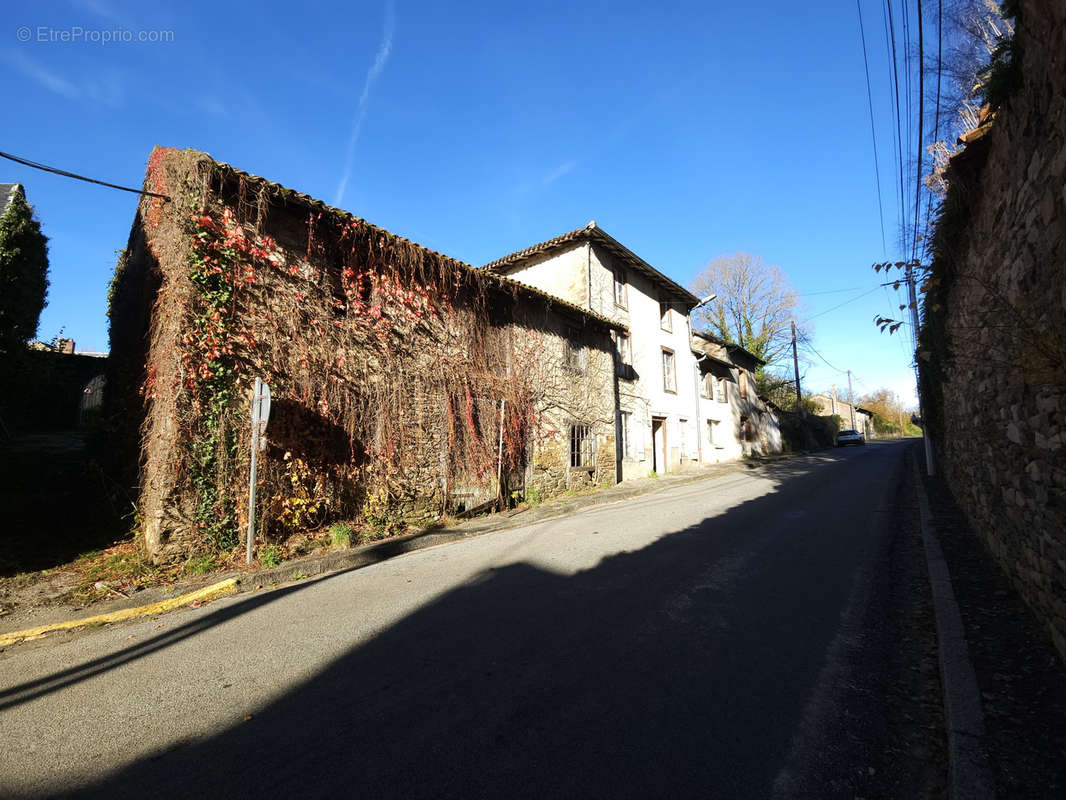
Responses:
[591,232]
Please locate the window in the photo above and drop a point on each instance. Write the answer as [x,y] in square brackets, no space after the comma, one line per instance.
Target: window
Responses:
[582,454]
[719,390]
[575,356]
[665,320]
[627,445]
[624,346]
[742,380]
[707,386]
[669,373]
[621,297]
[712,432]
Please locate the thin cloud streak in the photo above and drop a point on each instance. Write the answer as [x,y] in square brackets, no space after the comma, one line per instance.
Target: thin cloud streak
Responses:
[360,114]
[559,172]
[107,88]
[49,80]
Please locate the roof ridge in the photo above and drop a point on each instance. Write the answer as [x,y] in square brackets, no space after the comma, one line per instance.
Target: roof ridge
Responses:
[590,230]
[503,280]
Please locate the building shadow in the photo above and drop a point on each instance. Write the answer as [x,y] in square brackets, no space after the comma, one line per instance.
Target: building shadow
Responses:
[678,669]
[57,502]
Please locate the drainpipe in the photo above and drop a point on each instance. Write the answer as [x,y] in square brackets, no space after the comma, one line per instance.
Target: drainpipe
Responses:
[588,260]
[699,416]
[699,419]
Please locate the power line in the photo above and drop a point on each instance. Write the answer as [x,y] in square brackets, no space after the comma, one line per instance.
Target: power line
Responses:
[908,105]
[936,113]
[939,64]
[921,120]
[892,313]
[832,291]
[841,305]
[66,174]
[873,130]
[899,132]
[807,342]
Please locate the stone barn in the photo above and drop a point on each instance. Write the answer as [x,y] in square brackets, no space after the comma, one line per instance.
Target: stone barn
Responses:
[405,383]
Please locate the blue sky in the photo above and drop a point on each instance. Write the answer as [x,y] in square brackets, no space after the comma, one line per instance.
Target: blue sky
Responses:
[687,131]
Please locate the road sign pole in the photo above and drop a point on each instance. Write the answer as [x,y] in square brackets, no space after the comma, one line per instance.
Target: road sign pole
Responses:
[257,403]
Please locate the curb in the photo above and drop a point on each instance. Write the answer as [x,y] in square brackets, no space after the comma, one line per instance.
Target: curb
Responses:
[227,586]
[969,774]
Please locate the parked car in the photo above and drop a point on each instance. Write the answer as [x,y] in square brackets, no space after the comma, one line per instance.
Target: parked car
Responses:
[850,437]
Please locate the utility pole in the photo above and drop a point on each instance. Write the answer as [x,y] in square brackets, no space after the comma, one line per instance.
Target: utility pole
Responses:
[913,297]
[851,402]
[796,367]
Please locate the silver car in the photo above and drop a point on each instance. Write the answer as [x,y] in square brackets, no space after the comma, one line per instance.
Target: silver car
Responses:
[850,437]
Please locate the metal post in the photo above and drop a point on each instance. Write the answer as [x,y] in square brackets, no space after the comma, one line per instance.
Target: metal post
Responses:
[699,419]
[257,400]
[499,454]
[851,402]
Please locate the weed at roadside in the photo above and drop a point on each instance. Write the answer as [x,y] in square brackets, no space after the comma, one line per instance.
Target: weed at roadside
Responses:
[119,568]
[270,556]
[340,535]
[202,564]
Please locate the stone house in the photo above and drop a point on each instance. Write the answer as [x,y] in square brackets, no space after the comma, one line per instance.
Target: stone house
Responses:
[852,417]
[657,424]
[405,383]
[734,420]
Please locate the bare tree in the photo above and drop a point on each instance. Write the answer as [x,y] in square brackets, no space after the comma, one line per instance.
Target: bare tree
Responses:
[971,31]
[755,305]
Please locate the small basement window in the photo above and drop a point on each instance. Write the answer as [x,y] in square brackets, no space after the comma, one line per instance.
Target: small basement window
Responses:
[582,452]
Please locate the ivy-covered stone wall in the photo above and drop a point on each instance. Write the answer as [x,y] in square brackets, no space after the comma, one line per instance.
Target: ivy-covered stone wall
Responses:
[993,345]
[405,384]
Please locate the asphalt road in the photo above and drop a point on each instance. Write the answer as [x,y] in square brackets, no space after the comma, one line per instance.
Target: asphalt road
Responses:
[687,643]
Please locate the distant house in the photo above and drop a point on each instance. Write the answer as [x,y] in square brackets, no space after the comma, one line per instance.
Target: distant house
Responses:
[852,417]
[734,420]
[657,424]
